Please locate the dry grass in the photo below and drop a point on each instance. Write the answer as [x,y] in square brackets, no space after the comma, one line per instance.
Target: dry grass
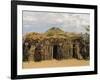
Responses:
[55,63]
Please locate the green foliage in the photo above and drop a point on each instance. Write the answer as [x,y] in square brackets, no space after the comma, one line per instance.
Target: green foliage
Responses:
[87,28]
[86,36]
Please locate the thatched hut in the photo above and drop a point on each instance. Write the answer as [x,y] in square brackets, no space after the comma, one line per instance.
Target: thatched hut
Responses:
[53,44]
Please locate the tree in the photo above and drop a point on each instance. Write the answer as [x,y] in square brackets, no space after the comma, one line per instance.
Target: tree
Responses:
[86,41]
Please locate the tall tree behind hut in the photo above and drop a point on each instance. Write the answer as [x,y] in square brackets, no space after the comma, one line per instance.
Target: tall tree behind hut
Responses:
[86,43]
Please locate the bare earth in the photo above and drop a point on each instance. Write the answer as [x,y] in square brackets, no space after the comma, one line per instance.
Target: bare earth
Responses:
[55,63]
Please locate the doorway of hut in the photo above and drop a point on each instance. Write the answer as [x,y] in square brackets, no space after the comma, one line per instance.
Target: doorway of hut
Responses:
[55,51]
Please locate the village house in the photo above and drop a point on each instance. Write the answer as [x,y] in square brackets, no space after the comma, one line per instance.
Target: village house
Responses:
[54,44]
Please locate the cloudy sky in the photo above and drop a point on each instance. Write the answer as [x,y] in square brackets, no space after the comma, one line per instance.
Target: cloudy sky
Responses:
[41,21]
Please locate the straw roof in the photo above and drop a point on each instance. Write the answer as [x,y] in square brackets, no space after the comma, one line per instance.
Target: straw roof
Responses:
[53,33]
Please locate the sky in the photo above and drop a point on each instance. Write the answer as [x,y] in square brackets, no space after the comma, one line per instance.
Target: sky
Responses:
[35,21]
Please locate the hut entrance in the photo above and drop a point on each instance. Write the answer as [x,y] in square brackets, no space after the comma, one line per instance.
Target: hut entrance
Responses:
[55,51]
[37,54]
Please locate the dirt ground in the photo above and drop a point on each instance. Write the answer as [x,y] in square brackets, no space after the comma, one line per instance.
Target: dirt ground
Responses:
[55,63]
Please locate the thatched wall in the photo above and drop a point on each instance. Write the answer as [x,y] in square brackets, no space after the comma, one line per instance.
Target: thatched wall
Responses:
[45,49]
